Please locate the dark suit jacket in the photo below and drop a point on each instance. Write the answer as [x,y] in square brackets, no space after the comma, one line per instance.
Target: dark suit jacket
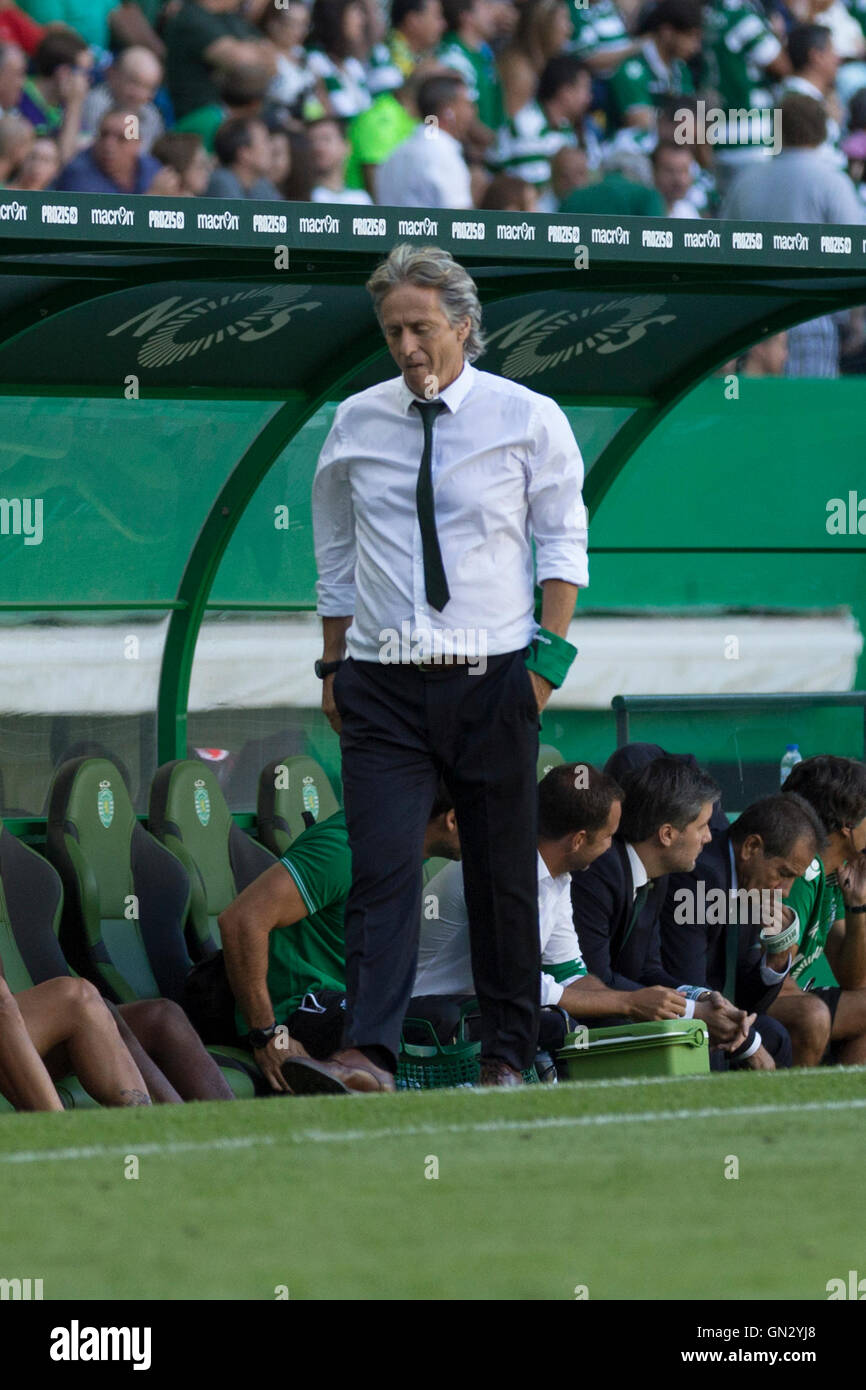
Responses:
[602,898]
[697,953]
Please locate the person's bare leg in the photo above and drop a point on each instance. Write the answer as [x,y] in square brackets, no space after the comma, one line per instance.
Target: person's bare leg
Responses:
[170,1041]
[849,1027]
[24,1079]
[72,1030]
[807,1019]
[159,1087]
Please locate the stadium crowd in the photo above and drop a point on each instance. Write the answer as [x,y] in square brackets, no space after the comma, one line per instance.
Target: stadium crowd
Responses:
[677,109]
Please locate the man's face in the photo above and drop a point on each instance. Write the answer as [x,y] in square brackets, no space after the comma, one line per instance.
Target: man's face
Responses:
[684,43]
[256,155]
[684,846]
[576,96]
[329,149]
[856,838]
[463,108]
[12,76]
[485,18]
[425,346]
[41,166]
[757,869]
[591,847]
[113,152]
[135,82]
[428,25]
[825,61]
[673,175]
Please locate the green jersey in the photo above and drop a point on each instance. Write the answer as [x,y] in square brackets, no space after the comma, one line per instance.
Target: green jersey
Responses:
[644,79]
[738,44]
[817,900]
[375,134]
[526,144]
[477,67]
[598,29]
[311,954]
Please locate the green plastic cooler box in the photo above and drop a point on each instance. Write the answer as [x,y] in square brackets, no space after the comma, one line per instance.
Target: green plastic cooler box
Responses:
[674,1047]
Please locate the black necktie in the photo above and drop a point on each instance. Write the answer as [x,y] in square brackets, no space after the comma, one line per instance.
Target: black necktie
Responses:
[640,898]
[435,583]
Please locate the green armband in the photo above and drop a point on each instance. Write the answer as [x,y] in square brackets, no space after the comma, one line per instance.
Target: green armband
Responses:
[550,656]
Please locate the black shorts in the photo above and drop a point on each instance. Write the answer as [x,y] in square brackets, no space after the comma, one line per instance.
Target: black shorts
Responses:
[830,995]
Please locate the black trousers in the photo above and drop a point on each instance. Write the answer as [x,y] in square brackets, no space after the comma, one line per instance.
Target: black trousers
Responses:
[401,730]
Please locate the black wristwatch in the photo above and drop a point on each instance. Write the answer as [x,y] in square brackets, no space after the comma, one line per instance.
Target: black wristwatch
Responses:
[326,668]
[260,1037]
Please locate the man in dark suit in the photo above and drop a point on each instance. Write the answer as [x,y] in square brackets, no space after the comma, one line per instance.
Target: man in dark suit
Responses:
[717,921]
[617,901]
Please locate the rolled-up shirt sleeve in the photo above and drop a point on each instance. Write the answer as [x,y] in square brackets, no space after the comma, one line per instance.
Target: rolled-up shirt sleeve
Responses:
[556,510]
[334,528]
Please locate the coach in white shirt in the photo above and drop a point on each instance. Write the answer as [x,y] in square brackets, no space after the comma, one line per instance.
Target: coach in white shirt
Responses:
[426,580]
[428,170]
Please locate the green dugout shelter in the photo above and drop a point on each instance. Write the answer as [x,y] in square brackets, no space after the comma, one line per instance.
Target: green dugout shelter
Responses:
[169,369]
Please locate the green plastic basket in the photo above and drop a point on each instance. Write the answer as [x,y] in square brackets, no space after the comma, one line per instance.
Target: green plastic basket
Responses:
[430,1066]
[423,1066]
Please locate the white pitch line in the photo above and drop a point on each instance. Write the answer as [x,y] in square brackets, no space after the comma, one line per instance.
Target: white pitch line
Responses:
[318,1136]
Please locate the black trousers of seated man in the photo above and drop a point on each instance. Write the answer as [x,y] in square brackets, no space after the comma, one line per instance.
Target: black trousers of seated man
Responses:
[401,730]
[443,1013]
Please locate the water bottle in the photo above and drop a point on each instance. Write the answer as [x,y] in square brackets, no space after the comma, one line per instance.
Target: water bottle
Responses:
[791,758]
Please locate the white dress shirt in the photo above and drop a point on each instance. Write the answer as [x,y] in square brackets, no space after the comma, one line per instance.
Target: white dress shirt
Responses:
[444,962]
[426,171]
[506,470]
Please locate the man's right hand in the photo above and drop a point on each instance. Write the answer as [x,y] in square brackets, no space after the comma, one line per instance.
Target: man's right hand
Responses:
[760,1060]
[654,1003]
[270,1060]
[727,1025]
[329,708]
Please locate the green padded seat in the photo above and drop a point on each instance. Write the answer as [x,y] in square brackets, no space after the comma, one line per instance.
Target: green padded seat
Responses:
[125,896]
[30,901]
[31,908]
[188,814]
[294,793]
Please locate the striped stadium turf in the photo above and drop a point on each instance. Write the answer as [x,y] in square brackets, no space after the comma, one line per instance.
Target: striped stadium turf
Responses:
[618,1188]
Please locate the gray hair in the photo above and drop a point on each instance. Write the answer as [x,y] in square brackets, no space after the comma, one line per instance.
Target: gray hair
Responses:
[429,267]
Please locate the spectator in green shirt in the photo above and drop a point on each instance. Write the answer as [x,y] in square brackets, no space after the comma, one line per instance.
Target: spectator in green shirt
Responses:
[466,49]
[674,32]
[830,901]
[283,942]
[99,22]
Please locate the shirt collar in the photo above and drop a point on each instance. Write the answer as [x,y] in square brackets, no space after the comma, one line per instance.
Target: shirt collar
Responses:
[639,875]
[454,395]
[655,60]
[735,883]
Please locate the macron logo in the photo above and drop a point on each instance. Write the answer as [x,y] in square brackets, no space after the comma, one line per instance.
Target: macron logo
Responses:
[76,1343]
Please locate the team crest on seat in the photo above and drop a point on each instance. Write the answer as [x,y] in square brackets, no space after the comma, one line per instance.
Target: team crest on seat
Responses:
[105,804]
[311,797]
[201,801]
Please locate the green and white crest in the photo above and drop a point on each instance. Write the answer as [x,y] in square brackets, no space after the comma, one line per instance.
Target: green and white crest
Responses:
[105,804]
[310,796]
[201,801]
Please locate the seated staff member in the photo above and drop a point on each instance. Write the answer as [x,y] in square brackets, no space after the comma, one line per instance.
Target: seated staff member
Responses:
[617,902]
[578,814]
[723,921]
[284,948]
[830,901]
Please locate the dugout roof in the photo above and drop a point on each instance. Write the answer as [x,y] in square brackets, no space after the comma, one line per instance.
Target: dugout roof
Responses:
[159,356]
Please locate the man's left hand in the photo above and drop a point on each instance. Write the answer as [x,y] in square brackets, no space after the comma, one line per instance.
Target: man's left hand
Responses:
[542,689]
[852,881]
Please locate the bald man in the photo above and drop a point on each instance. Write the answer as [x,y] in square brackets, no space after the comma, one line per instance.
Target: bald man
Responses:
[132,82]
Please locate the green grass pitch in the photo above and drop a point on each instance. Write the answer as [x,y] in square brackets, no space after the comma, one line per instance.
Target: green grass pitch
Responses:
[616,1188]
